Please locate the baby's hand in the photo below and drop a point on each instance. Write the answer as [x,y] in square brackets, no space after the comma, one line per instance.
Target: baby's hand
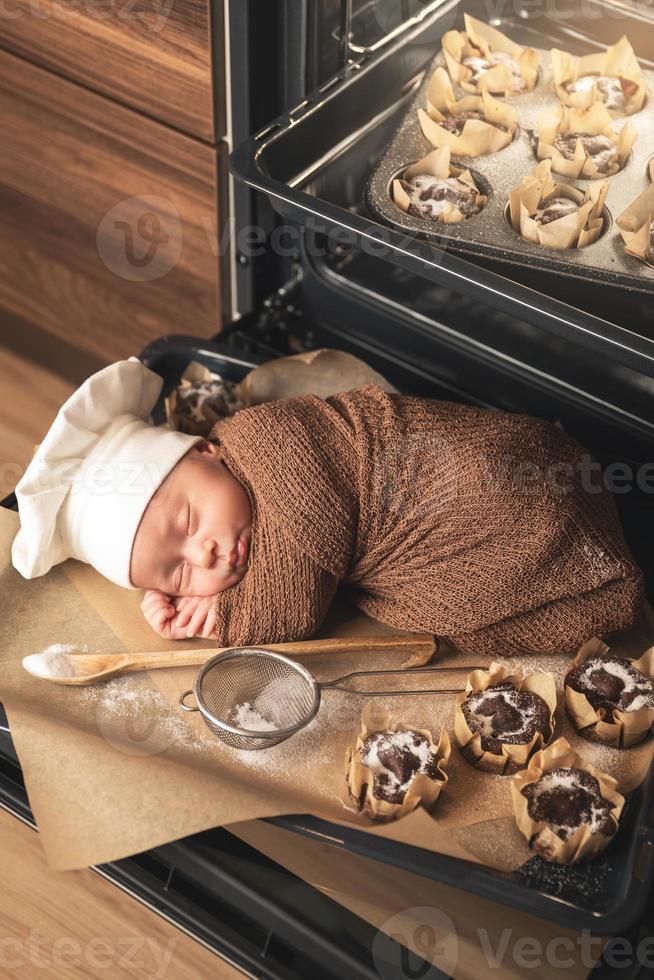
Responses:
[192,616]
[196,615]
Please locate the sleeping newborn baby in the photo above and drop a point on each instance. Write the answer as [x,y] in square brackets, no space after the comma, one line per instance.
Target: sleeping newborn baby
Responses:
[192,542]
[479,526]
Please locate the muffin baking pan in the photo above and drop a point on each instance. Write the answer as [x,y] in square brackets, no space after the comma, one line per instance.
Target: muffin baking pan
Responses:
[489,233]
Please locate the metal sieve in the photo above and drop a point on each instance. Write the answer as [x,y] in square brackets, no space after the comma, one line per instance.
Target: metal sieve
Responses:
[280,691]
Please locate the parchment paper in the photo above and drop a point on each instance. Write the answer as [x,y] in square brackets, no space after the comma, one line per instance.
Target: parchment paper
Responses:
[116,768]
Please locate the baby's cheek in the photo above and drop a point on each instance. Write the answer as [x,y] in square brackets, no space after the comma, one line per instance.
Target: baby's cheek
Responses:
[207,584]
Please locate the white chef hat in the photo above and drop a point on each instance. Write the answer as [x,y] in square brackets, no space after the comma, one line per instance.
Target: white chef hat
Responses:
[90,480]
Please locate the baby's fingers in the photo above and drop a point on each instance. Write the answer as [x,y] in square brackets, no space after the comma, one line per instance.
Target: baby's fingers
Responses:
[160,622]
[154,600]
[160,613]
[183,618]
[194,628]
[209,624]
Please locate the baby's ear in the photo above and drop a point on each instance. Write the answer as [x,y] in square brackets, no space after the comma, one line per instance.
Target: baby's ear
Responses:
[206,448]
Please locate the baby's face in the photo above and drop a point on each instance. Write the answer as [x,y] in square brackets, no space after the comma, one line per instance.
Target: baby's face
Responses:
[194,536]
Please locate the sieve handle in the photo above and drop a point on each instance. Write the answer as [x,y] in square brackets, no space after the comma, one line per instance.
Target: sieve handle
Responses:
[395,694]
[337,683]
[184,705]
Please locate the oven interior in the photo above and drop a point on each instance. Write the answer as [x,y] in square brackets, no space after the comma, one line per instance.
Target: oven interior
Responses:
[313,163]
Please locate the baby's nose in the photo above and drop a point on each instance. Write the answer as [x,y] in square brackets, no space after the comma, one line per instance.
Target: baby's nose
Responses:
[206,553]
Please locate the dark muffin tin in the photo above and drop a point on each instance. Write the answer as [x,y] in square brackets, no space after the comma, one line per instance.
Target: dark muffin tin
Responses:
[489,233]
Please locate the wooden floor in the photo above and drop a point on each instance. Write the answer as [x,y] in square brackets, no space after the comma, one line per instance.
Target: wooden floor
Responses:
[75,925]
[70,924]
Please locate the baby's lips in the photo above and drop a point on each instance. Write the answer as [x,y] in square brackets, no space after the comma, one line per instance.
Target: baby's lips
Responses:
[242,552]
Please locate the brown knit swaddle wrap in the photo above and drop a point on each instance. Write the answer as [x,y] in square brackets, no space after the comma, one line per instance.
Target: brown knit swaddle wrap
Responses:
[467,523]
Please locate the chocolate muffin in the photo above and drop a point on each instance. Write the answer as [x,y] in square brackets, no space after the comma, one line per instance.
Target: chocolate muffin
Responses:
[455,121]
[614,92]
[394,759]
[217,395]
[602,150]
[504,715]
[566,800]
[430,196]
[552,210]
[613,684]
[480,64]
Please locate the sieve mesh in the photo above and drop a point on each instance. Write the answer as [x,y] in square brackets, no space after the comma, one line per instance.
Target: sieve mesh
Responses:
[277,689]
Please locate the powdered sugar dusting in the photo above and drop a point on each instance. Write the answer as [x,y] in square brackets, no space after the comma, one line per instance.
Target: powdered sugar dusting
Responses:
[402,741]
[524,719]
[569,780]
[610,667]
[247,717]
[640,701]
[630,678]
[53,662]
[268,711]
[138,718]
[556,664]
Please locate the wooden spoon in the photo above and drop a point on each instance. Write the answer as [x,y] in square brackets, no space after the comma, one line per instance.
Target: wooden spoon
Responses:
[68,667]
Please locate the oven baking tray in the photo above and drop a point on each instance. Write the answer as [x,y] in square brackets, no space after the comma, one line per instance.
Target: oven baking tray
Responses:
[606,896]
[489,232]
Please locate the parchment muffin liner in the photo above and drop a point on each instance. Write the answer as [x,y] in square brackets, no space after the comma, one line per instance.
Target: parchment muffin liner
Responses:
[436,164]
[513,757]
[221,396]
[482,40]
[575,230]
[617,61]
[479,137]
[635,224]
[423,790]
[324,371]
[582,845]
[593,121]
[628,727]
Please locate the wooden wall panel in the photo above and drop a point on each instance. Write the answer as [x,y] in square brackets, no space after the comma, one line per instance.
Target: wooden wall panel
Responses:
[153,55]
[107,219]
